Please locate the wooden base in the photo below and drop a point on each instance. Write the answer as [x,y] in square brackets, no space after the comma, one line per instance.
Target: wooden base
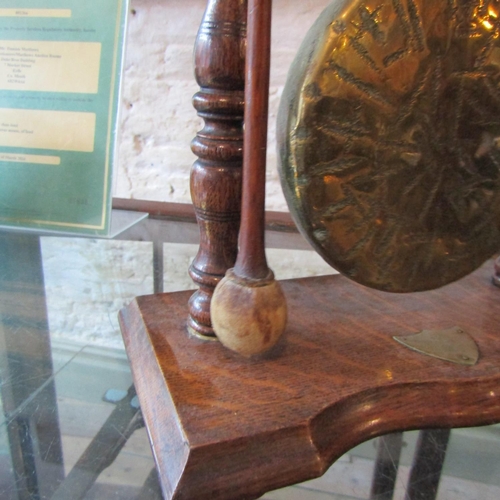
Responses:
[225,427]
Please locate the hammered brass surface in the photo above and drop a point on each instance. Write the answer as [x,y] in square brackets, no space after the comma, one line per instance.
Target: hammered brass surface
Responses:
[389,137]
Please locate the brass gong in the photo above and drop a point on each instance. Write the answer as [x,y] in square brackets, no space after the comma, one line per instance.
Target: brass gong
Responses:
[389,139]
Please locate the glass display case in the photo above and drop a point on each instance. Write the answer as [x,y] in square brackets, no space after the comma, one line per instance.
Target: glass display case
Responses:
[71,422]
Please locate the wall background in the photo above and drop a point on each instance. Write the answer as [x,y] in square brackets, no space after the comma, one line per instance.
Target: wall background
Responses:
[87,281]
[158,121]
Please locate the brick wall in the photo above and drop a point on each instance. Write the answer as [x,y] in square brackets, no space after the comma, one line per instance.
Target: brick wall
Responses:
[158,120]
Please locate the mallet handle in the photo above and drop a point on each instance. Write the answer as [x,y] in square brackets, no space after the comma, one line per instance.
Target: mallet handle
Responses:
[251,261]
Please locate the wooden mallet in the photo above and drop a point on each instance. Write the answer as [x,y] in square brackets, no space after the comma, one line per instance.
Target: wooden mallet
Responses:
[248,308]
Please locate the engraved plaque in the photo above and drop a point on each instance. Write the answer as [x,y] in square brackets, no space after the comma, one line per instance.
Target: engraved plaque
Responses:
[389,139]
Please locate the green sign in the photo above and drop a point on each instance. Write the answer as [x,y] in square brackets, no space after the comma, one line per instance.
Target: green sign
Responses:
[60,67]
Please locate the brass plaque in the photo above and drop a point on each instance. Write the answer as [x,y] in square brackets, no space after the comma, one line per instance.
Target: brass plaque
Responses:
[389,139]
[454,345]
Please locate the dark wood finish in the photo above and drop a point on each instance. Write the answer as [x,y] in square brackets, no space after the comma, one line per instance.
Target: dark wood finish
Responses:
[216,175]
[251,260]
[276,221]
[224,427]
[248,309]
[157,209]
[280,221]
[496,274]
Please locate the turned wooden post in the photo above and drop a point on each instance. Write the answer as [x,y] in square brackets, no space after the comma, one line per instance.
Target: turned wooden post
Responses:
[216,175]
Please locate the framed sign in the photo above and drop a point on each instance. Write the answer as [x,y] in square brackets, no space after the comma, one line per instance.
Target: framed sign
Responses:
[60,68]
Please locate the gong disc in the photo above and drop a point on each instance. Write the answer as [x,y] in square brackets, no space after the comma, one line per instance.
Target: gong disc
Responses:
[389,137]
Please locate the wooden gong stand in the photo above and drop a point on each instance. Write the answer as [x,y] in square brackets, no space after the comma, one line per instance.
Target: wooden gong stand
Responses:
[224,427]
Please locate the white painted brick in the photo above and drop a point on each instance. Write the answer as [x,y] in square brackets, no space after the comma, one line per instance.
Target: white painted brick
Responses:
[158,121]
[88,281]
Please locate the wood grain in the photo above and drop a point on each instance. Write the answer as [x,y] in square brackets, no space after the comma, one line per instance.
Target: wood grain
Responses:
[251,260]
[216,175]
[276,221]
[223,427]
